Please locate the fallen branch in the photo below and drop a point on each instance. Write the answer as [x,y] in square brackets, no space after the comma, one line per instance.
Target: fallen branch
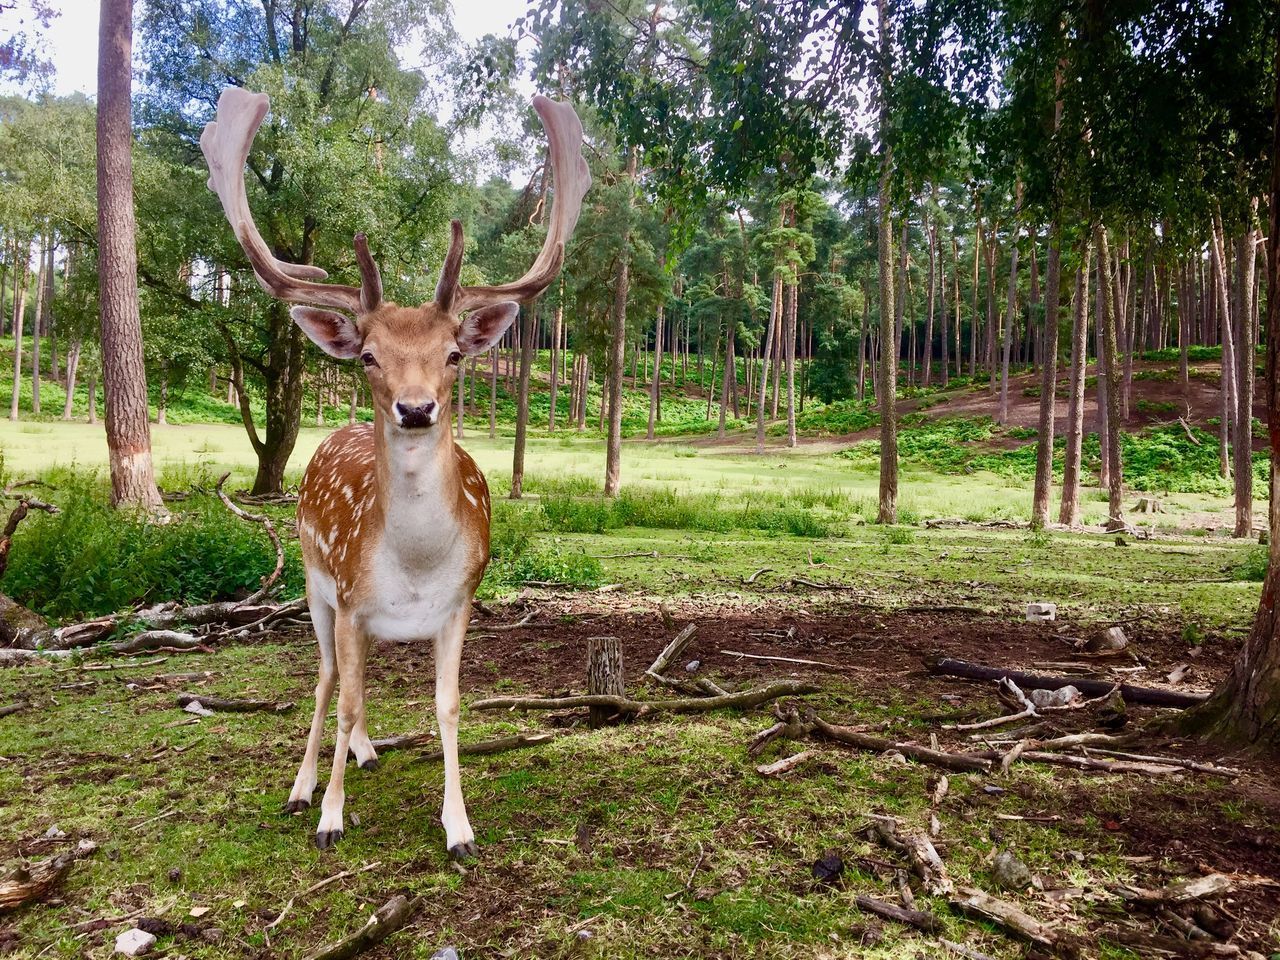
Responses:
[920,919]
[740,700]
[946,666]
[757,574]
[671,651]
[757,656]
[234,706]
[270,579]
[149,640]
[27,884]
[975,903]
[865,741]
[1199,888]
[1088,763]
[402,741]
[650,554]
[389,918]
[785,765]
[503,627]
[11,708]
[963,951]
[940,608]
[319,886]
[1187,427]
[496,745]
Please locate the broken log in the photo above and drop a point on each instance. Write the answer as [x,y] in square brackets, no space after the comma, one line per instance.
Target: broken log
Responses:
[671,651]
[234,706]
[158,640]
[785,765]
[9,708]
[976,903]
[1152,696]
[920,919]
[1199,888]
[27,884]
[389,918]
[740,700]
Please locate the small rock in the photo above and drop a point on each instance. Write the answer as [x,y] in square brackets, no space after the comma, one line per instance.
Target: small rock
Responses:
[211,935]
[1041,612]
[1112,638]
[199,912]
[692,666]
[585,934]
[175,875]
[1009,872]
[135,942]
[828,867]
[1054,698]
[446,953]
[992,790]
[155,926]
[54,833]
[198,708]
[894,756]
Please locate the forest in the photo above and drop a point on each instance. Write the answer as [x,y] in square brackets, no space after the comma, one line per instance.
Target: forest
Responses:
[877,407]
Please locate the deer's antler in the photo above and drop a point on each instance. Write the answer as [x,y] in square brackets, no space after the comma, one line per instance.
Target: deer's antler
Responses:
[571,180]
[225,143]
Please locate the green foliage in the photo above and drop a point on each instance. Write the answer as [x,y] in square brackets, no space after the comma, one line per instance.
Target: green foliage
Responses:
[1253,567]
[516,559]
[91,559]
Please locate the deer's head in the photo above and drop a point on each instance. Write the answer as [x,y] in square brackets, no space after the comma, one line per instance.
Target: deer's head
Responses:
[410,354]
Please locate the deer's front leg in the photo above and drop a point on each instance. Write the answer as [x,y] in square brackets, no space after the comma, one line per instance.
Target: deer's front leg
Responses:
[457,829]
[351,646]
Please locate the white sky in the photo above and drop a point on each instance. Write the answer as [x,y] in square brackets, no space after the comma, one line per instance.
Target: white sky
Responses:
[73,37]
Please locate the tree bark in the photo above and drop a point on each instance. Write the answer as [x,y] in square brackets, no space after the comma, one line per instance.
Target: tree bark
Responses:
[73,364]
[38,319]
[655,383]
[931,304]
[792,296]
[557,323]
[1246,260]
[1008,332]
[22,253]
[493,392]
[522,401]
[1111,363]
[618,345]
[1048,383]
[604,676]
[1069,511]
[1226,380]
[775,311]
[887,387]
[123,374]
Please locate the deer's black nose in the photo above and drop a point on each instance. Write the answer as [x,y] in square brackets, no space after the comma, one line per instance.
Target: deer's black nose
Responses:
[421,415]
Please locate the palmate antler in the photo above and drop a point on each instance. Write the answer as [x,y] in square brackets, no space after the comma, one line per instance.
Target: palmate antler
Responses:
[225,144]
[571,180]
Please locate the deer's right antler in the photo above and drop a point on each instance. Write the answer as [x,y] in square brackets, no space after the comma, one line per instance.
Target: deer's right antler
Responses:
[225,144]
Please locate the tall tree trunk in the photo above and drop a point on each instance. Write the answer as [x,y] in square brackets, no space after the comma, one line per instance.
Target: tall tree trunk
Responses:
[124,376]
[1226,380]
[862,338]
[655,383]
[38,319]
[1111,365]
[557,324]
[887,384]
[618,344]
[162,410]
[462,396]
[931,304]
[23,254]
[353,405]
[1069,511]
[775,311]
[93,397]
[493,392]
[527,313]
[1008,333]
[1048,382]
[792,296]
[73,364]
[1246,261]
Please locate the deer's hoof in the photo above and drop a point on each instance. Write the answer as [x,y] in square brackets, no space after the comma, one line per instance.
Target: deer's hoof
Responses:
[464,852]
[328,839]
[296,806]
[370,764]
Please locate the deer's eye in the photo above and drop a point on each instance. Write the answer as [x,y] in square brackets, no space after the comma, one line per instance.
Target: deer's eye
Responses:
[454,358]
[368,359]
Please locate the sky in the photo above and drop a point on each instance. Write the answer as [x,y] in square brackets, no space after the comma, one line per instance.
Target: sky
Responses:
[73,37]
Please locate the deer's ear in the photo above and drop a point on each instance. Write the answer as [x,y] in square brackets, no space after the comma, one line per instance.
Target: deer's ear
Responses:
[336,335]
[482,328]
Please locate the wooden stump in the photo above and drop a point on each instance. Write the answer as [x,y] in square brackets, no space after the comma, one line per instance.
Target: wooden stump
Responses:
[604,675]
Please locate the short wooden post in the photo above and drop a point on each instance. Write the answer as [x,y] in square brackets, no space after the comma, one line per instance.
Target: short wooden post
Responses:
[604,675]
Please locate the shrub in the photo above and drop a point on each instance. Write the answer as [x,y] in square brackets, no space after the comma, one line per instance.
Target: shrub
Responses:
[1254,565]
[91,559]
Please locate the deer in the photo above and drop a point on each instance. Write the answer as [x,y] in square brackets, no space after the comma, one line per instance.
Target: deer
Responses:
[393,516]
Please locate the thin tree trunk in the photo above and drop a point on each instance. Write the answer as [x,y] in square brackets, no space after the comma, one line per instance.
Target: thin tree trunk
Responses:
[1048,383]
[1246,260]
[655,383]
[93,397]
[618,346]
[462,396]
[37,321]
[792,295]
[73,364]
[1226,380]
[1009,332]
[527,313]
[862,338]
[1111,373]
[128,432]
[775,311]
[1069,512]
[23,254]
[557,323]
[886,388]
[493,393]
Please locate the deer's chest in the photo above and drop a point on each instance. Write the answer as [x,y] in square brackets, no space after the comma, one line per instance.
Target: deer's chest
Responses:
[413,600]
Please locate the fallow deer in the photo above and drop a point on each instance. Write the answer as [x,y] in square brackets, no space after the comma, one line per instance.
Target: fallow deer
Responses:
[393,517]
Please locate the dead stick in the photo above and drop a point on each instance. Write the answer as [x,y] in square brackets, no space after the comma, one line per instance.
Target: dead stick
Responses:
[963,951]
[742,699]
[920,919]
[865,741]
[14,707]
[496,745]
[268,581]
[758,656]
[319,886]
[754,576]
[947,666]
[233,706]
[672,650]
[976,903]
[389,918]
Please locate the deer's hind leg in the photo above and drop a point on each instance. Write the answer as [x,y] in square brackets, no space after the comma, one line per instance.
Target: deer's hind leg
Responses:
[304,785]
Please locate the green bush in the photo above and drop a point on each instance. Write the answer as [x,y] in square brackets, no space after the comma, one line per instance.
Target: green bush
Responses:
[1254,565]
[91,559]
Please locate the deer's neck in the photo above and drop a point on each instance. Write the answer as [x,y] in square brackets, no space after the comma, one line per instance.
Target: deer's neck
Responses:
[417,487]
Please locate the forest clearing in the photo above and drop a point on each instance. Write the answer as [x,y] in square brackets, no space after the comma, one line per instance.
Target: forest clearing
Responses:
[711,478]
